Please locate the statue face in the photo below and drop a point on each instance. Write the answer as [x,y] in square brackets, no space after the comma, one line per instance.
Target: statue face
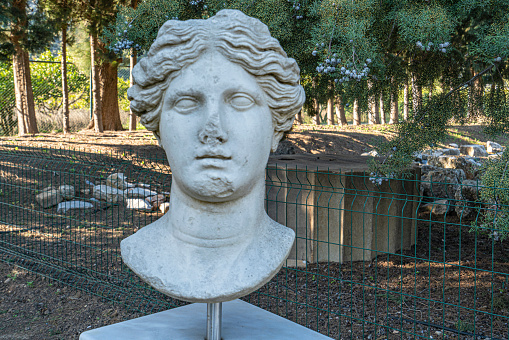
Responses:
[216,129]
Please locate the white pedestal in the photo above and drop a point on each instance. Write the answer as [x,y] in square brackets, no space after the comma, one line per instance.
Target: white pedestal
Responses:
[241,320]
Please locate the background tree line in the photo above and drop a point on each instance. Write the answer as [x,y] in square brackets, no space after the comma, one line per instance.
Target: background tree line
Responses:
[447,58]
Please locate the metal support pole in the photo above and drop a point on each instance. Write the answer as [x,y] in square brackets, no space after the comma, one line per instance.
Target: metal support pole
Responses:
[214,316]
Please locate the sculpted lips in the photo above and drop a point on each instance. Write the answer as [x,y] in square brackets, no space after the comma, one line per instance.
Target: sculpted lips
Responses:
[210,159]
[212,154]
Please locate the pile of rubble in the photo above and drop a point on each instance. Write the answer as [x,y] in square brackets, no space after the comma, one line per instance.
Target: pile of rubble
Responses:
[116,189]
[451,177]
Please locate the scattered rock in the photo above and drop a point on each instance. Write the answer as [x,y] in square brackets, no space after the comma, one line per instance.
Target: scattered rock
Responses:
[467,195]
[164,207]
[138,204]
[139,192]
[86,191]
[49,198]
[117,180]
[452,152]
[108,194]
[441,183]
[453,145]
[156,200]
[437,208]
[372,153]
[70,205]
[67,192]
[87,182]
[492,147]
[456,162]
[143,185]
[473,150]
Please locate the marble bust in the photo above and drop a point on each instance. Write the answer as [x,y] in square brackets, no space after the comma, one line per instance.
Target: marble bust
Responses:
[218,94]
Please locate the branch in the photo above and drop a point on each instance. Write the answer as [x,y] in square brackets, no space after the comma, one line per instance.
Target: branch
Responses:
[470,81]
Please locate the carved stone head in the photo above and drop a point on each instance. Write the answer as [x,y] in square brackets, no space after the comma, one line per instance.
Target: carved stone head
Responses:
[218,94]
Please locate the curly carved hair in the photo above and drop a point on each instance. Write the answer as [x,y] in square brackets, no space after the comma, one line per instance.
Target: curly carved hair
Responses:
[241,39]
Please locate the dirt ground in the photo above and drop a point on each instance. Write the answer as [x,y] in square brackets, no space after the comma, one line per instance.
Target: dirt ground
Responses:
[333,140]
[32,307]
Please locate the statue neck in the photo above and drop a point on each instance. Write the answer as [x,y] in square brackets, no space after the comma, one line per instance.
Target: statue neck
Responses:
[213,225]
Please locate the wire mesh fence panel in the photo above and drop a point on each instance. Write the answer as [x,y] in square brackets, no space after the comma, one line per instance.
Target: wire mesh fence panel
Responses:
[370,261]
[46,79]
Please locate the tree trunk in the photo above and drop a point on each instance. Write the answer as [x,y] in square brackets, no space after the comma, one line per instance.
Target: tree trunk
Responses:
[405,100]
[416,95]
[25,106]
[340,111]
[97,121]
[108,92]
[132,116]
[371,110]
[330,111]
[316,117]
[65,89]
[298,117]
[382,109]
[376,108]
[394,119]
[356,113]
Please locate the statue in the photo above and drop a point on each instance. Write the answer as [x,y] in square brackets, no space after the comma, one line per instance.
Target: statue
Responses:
[218,94]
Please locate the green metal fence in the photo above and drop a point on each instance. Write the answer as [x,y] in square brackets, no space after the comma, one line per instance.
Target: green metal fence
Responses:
[370,261]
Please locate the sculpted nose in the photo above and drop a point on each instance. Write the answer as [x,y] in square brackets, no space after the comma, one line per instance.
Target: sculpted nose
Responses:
[212,132]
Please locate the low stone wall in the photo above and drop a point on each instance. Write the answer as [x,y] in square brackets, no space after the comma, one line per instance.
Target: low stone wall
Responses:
[340,215]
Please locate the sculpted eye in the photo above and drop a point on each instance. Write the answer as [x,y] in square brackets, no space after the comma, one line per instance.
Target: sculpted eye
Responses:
[241,101]
[185,104]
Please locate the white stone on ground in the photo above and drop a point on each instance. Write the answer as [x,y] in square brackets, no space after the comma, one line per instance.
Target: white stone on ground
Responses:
[70,205]
[493,147]
[164,207]
[117,180]
[49,198]
[138,204]
[474,150]
[67,192]
[139,192]
[106,193]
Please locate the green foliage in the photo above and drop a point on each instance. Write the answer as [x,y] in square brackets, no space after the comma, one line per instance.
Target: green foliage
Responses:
[33,30]
[47,83]
[495,193]
[7,104]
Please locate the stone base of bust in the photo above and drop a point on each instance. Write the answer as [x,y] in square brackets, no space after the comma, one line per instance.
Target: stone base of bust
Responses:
[241,320]
[206,270]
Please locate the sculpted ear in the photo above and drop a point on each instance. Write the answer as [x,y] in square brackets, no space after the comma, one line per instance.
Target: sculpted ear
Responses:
[276,137]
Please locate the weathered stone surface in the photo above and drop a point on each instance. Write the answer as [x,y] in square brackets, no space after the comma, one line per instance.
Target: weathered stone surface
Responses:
[117,180]
[452,152]
[456,162]
[139,192]
[441,183]
[138,204]
[473,150]
[492,147]
[372,153]
[453,145]
[156,200]
[164,207]
[108,194]
[67,192]
[466,197]
[49,198]
[70,205]
[437,208]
